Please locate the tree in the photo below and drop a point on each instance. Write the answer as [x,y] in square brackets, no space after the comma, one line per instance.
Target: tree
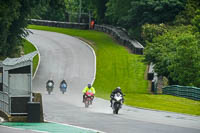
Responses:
[132,14]
[189,12]
[176,56]
[185,63]
[13,20]
[153,11]
[100,9]
[150,31]
[50,10]
[117,12]
[196,20]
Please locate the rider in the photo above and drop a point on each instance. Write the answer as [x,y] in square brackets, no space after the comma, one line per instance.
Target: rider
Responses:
[115,91]
[50,83]
[63,84]
[87,88]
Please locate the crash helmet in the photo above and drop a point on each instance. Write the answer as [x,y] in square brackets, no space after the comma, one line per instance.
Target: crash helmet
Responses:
[118,88]
[89,85]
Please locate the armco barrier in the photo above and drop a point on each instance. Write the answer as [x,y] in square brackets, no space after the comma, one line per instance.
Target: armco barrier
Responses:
[118,33]
[183,91]
[59,24]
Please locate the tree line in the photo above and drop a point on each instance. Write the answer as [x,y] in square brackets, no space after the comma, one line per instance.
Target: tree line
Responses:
[169,29]
[174,47]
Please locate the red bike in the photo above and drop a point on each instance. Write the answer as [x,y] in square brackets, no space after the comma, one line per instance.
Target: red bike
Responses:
[89,96]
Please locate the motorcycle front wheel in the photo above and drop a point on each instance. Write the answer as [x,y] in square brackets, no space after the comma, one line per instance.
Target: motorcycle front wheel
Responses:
[49,91]
[86,104]
[116,108]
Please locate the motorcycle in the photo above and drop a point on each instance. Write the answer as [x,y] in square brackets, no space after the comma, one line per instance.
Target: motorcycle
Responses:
[117,103]
[63,88]
[89,96]
[50,86]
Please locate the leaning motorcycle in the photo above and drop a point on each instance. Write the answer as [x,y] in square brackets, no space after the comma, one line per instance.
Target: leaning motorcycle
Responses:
[50,86]
[117,103]
[89,96]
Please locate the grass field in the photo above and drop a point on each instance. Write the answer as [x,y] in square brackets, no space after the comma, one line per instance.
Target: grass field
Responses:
[116,66]
[28,48]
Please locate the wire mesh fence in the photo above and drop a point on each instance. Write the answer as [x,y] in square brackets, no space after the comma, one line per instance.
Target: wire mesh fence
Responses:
[183,91]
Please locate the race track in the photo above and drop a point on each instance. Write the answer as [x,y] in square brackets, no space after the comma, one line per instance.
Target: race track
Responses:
[66,57]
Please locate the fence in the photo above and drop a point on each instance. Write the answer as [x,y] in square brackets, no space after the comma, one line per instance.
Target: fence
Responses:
[4,101]
[59,24]
[121,36]
[183,91]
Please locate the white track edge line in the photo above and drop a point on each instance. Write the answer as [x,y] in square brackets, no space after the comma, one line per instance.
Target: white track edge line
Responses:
[78,127]
[94,76]
[38,60]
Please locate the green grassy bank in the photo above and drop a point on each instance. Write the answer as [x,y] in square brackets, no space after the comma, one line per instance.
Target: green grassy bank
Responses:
[116,66]
[28,48]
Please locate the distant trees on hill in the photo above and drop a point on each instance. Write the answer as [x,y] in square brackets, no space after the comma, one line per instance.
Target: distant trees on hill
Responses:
[170,29]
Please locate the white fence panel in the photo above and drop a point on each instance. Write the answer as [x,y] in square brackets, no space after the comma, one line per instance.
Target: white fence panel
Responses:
[19,84]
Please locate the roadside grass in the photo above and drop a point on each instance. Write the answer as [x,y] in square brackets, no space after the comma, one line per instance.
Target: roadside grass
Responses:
[117,67]
[28,48]
[2,58]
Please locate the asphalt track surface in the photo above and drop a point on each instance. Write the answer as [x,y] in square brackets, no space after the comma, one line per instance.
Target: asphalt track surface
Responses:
[66,57]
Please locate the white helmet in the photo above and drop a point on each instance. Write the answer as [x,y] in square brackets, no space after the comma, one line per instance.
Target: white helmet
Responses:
[118,88]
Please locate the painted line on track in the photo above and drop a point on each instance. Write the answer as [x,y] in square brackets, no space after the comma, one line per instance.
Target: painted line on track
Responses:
[97,131]
[94,76]
[38,60]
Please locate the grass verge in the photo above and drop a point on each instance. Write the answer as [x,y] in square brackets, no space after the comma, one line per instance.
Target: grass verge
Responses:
[28,48]
[117,67]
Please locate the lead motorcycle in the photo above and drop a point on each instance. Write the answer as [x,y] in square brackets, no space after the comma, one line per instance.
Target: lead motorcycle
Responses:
[50,86]
[117,103]
[89,96]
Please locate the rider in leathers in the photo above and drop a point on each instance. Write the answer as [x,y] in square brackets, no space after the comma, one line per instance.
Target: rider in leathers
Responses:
[89,87]
[49,81]
[115,91]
